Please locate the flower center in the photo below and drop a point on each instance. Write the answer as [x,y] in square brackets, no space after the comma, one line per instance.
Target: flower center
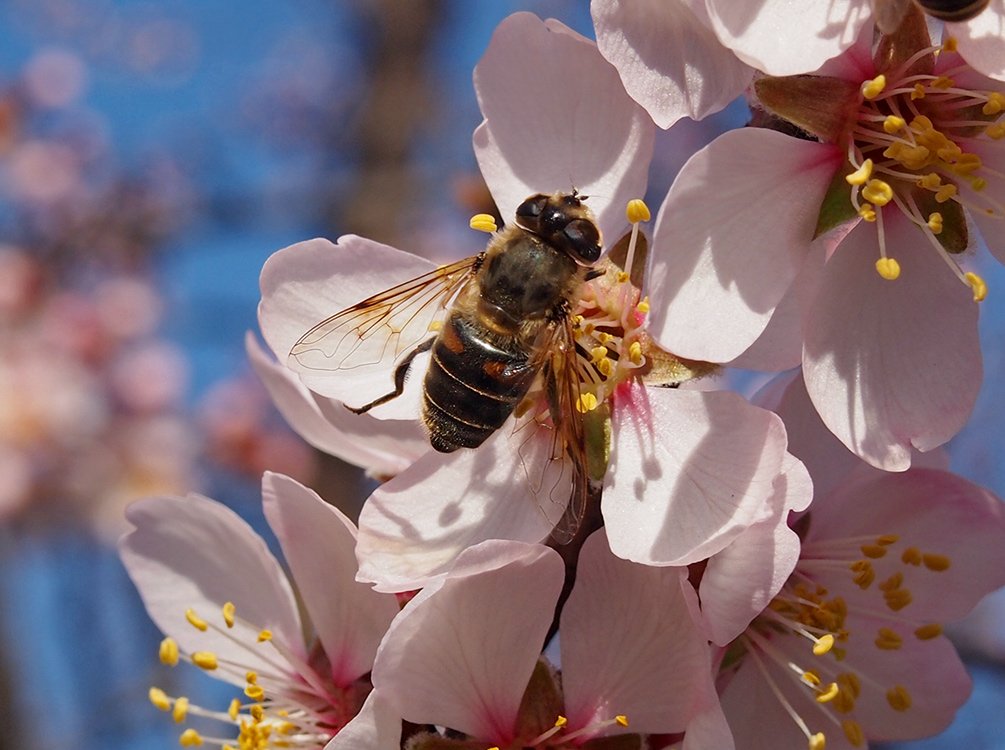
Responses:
[831,670]
[911,145]
[289,704]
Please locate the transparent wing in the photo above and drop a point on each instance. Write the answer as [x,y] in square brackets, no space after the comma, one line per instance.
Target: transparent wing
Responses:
[380,328]
[561,375]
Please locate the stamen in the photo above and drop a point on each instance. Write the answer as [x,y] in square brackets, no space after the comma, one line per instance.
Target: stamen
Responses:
[195,621]
[978,285]
[888,268]
[169,652]
[205,660]
[823,644]
[928,632]
[180,710]
[587,402]
[560,722]
[637,212]
[873,88]
[190,738]
[898,698]
[935,562]
[159,698]
[483,223]
[228,614]
[853,731]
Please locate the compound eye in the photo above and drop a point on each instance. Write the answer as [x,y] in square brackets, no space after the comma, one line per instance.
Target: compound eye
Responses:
[584,240]
[530,210]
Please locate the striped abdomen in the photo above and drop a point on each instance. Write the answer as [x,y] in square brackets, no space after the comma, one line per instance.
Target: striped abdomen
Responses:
[472,385]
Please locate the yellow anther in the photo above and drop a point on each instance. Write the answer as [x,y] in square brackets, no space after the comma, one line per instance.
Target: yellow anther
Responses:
[943,82]
[978,285]
[180,710]
[587,402]
[850,684]
[623,277]
[945,193]
[861,175]
[264,635]
[228,614]
[888,268]
[817,741]
[829,694]
[967,163]
[823,644]
[893,582]
[643,306]
[893,123]
[914,157]
[604,337]
[853,732]
[255,692]
[872,89]
[811,678]
[483,223]
[922,125]
[637,211]
[918,92]
[935,562]
[996,131]
[877,192]
[978,184]
[598,353]
[928,632]
[195,621]
[159,698]
[867,212]
[875,551]
[864,574]
[606,367]
[930,181]
[935,222]
[887,539]
[898,698]
[257,713]
[621,720]
[949,44]
[190,738]
[251,678]
[561,721]
[205,660]
[168,652]
[234,709]
[911,556]
[994,104]
[888,640]
[897,599]
[635,353]
[949,151]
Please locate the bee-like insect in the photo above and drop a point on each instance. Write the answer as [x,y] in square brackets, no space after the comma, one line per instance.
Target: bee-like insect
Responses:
[889,13]
[508,321]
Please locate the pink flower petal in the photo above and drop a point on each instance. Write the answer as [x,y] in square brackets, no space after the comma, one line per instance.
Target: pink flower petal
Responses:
[891,364]
[195,553]
[384,447]
[992,154]
[741,580]
[414,526]
[786,37]
[669,61]
[981,40]
[630,645]
[375,727]
[709,728]
[585,133]
[689,472]
[319,544]
[730,239]
[461,653]
[306,283]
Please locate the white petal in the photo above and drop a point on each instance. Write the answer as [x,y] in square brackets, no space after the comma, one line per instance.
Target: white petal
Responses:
[669,61]
[557,117]
[981,40]
[195,553]
[730,238]
[414,526]
[629,644]
[384,447]
[461,653]
[319,544]
[375,727]
[689,471]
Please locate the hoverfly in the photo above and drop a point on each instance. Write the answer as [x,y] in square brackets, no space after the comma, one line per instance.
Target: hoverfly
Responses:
[889,13]
[507,323]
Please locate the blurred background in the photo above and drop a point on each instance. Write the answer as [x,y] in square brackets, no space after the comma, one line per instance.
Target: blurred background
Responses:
[152,156]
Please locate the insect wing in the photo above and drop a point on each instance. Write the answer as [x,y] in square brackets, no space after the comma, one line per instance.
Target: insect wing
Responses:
[378,330]
[561,377]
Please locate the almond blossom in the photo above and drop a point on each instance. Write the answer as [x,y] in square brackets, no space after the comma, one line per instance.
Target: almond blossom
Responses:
[465,655]
[657,489]
[841,249]
[225,605]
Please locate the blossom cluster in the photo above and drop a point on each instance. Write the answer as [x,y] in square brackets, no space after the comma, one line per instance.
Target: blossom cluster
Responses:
[637,557]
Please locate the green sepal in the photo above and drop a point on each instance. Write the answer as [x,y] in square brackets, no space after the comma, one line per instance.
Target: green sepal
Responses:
[597,431]
[836,208]
[954,236]
[820,105]
[542,702]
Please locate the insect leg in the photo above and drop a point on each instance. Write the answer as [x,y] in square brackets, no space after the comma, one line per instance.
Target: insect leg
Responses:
[399,378]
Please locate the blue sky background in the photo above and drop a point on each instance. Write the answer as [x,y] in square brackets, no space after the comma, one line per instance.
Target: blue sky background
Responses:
[80,648]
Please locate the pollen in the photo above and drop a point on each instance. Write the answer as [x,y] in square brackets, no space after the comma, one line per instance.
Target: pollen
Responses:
[824,644]
[561,721]
[190,738]
[978,285]
[817,741]
[861,175]
[888,268]
[180,710]
[894,124]
[829,694]
[935,222]
[195,621]
[898,698]
[873,88]
[621,720]
[205,660]
[159,698]
[994,105]
[483,223]
[635,353]
[264,635]
[888,640]
[877,192]
[168,652]
[587,402]
[875,551]
[643,306]
[928,632]
[637,211]
[935,562]
[229,611]
[234,709]
[853,732]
